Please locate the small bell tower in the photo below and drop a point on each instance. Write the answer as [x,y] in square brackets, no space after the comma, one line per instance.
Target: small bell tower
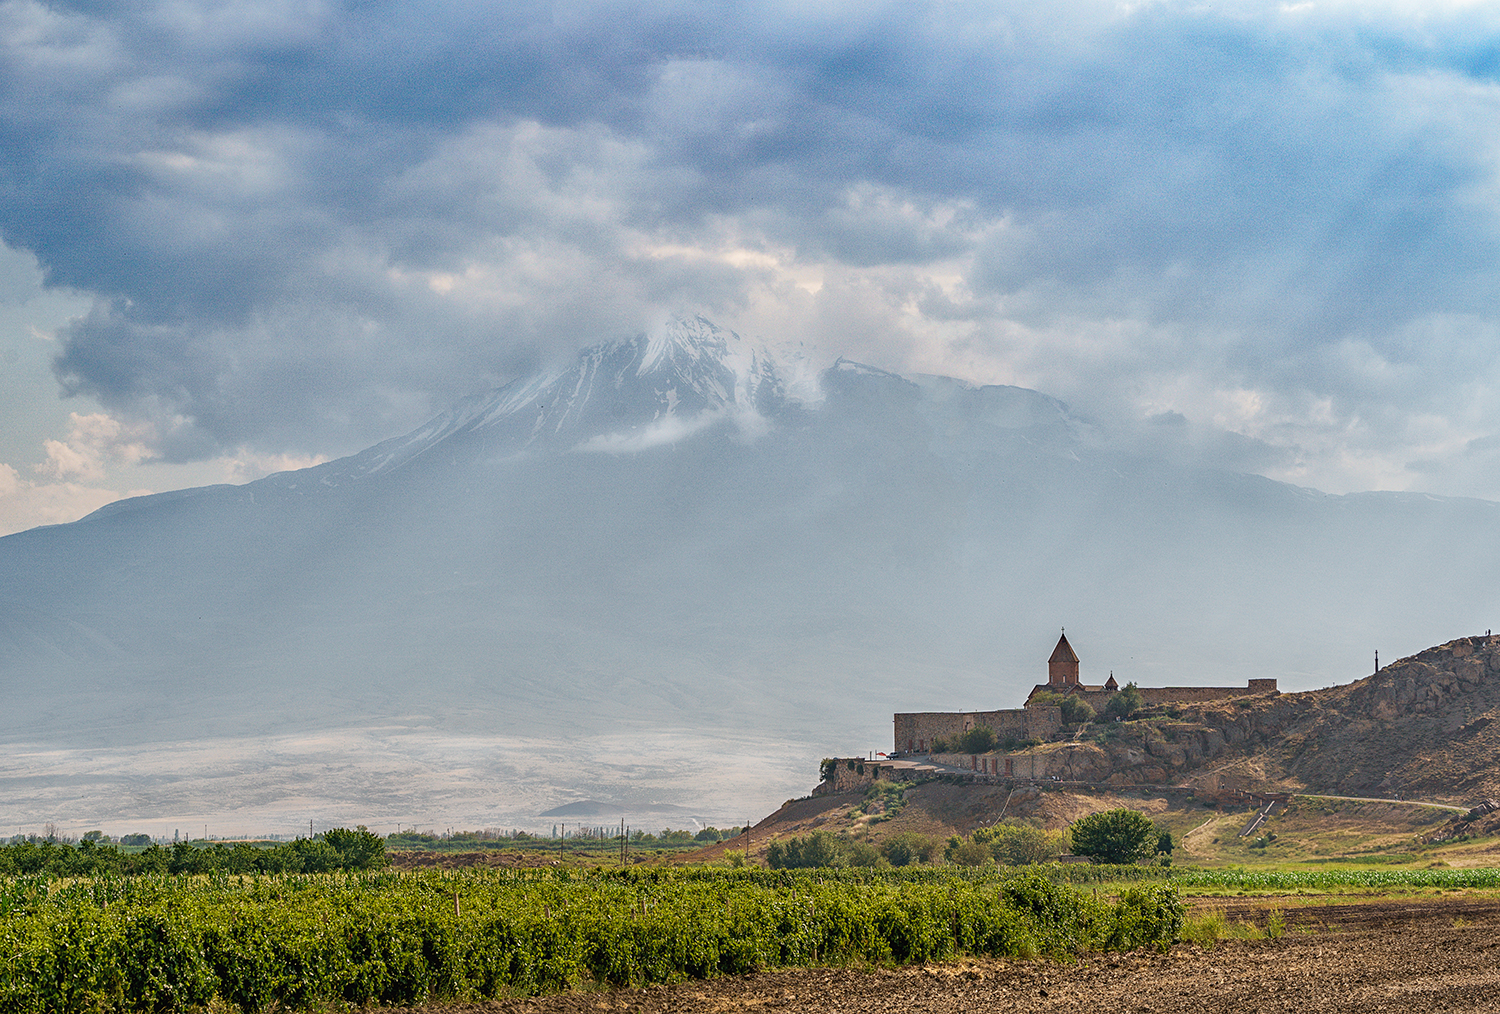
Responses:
[1062,667]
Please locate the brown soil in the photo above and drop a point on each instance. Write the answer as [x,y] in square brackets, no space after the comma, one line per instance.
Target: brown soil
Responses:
[462,860]
[1394,956]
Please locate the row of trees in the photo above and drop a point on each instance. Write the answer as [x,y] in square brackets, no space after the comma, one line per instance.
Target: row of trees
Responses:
[824,848]
[338,849]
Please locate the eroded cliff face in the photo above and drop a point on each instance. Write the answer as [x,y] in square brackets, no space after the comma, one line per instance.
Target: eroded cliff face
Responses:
[1421,726]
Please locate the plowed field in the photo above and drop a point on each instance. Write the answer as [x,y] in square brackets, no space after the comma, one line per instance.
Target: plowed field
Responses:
[1392,956]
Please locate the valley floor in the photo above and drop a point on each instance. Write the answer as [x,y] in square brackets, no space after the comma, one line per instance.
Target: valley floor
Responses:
[1394,955]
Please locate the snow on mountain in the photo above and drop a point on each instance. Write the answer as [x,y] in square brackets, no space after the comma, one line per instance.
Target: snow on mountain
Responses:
[626,395]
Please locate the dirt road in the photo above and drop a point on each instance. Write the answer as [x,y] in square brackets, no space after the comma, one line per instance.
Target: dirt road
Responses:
[1369,957]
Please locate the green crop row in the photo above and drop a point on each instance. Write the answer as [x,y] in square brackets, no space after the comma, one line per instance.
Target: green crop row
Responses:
[255,942]
[1326,879]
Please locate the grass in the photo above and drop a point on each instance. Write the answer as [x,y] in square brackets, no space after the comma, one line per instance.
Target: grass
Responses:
[1208,927]
[1313,831]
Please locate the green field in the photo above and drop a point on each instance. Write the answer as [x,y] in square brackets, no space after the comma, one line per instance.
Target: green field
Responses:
[306,941]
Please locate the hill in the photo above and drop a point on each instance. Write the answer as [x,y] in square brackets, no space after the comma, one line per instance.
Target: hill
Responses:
[1422,727]
[1421,730]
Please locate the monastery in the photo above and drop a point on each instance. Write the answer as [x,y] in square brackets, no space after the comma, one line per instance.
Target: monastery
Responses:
[915,732]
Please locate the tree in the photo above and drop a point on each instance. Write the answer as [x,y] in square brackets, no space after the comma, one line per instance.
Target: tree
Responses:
[980,739]
[1115,836]
[821,848]
[358,849]
[967,852]
[909,847]
[1076,710]
[1124,702]
[1020,844]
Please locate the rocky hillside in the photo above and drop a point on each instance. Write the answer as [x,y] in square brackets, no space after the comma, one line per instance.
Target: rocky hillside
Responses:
[1421,726]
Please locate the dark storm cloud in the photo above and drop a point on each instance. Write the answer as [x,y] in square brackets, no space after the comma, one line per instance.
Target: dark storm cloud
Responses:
[309,223]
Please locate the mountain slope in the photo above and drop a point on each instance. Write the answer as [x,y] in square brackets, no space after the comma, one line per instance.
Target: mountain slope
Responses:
[679,571]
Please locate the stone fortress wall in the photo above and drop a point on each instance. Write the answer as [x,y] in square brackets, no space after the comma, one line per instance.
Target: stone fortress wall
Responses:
[1203,695]
[915,733]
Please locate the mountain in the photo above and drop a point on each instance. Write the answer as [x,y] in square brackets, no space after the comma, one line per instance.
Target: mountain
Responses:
[677,572]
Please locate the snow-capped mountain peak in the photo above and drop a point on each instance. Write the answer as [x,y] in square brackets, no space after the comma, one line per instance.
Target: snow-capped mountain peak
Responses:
[625,395]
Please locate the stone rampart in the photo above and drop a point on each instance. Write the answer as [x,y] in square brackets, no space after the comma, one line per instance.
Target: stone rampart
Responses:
[916,732]
[1022,766]
[1203,695]
[848,774]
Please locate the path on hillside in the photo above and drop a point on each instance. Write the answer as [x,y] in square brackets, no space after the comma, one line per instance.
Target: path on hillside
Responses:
[1398,802]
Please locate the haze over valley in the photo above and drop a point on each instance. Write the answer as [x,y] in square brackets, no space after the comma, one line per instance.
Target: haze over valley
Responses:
[677,572]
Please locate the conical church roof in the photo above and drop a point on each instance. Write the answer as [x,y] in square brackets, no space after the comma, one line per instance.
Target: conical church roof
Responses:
[1064,651]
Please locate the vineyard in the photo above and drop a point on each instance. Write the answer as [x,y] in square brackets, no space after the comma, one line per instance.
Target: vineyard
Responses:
[163,943]
[1333,879]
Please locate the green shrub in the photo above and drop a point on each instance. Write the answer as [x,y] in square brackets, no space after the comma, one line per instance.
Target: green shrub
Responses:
[909,847]
[1114,836]
[1076,710]
[1124,703]
[967,852]
[821,848]
[1020,844]
[980,739]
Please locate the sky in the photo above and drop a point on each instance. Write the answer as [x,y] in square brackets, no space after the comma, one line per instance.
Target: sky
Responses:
[247,235]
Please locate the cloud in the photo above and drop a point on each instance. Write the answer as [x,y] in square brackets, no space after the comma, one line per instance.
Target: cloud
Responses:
[91,440]
[81,473]
[25,503]
[307,225]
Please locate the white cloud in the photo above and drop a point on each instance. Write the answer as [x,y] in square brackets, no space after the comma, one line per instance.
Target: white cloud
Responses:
[1137,208]
[669,429]
[94,440]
